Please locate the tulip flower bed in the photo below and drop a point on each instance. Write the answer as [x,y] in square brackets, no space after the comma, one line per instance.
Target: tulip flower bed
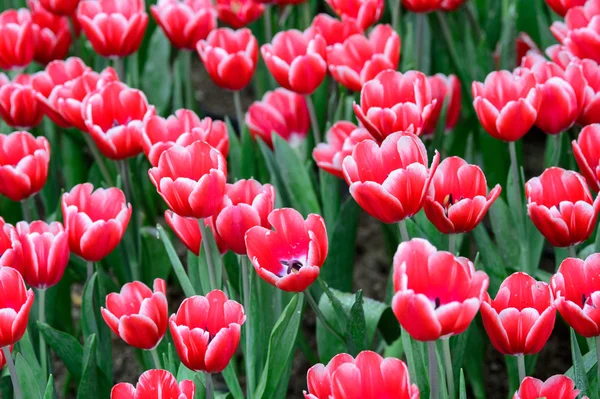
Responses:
[400,202]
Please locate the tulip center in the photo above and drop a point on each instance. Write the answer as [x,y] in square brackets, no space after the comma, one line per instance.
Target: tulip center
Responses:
[293,266]
[236,6]
[449,200]
[437,302]
[117,123]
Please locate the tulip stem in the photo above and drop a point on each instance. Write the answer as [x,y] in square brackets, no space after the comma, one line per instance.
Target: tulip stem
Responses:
[268,24]
[42,318]
[395,6]
[248,327]
[433,370]
[321,316]
[123,167]
[403,231]
[239,113]
[572,252]
[208,253]
[13,372]
[473,22]
[26,206]
[74,41]
[456,60]
[155,358]
[521,365]
[420,38]
[99,160]
[119,65]
[448,367]
[90,270]
[209,386]
[557,150]
[516,183]
[452,243]
[314,123]
[185,58]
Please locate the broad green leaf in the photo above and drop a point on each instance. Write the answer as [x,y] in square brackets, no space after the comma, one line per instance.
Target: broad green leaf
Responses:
[250,157]
[155,259]
[184,281]
[356,330]
[66,347]
[25,347]
[503,224]
[491,260]
[157,75]
[416,355]
[88,387]
[27,379]
[462,389]
[283,199]
[209,244]
[49,393]
[232,381]
[579,371]
[330,197]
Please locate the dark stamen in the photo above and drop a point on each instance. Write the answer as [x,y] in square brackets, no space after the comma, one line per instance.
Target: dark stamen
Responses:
[437,303]
[583,299]
[293,266]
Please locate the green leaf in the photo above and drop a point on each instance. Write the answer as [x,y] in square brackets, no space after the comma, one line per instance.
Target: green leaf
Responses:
[88,387]
[281,347]
[25,347]
[27,379]
[49,393]
[232,381]
[209,244]
[184,281]
[503,225]
[66,347]
[356,330]
[249,161]
[330,197]
[579,371]
[154,258]
[234,158]
[462,389]
[416,353]
[157,72]
[492,262]
[273,167]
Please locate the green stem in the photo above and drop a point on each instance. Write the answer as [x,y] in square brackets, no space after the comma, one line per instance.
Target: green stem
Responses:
[90,270]
[452,243]
[395,7]
[306,13]
[433,370]
[74,42]
[403,231]
[521,365]
[123,167]
[25,206]
[314,123]
[208,254]
[557,151]
[474,23]
[572,251]
[268,24]
[420,37]
[119,65]
[13,373]
[98,159]
[209,386]
[186,78]
[321,316]
[239,113]
[456,60]
[248,327]
[42,317]
[448,367]
[155,358]
[514,168]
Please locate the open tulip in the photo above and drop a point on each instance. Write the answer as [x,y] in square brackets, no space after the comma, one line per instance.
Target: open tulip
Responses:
[185,22]
[18,39]
[15,304]
[114,118]
[43,253]
[60,7]
[19,107]
[359,58]
[437,294]
[296,60]
[57,73]
[506,104]
[555,387]
[390,181]
[590,109]
[290,258]
[115,28]
[576,287]
[580,32]
[138,315]
[369,376]
[188,231]
[561,206]
[365,12]
[239,13]
[24,163]
[444,87]
[393,102]
[562,6]
[191,179]
[332,29]
[229,57]
[586,150]
[155,384]
[206,331]
[95,220]
[7,244]
[520,319]
[53,35]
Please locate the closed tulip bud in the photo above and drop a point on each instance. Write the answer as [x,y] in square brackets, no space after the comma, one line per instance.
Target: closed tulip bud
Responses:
[57,73]
[555,387]
[590,107]
[445,90]
[365,12]
[332,29]
[155,384]
[586,150]
[19,107]
[7,244]
[185,22]
[19,36]
[239,13]
[53,35]
[188,231]
[15,304]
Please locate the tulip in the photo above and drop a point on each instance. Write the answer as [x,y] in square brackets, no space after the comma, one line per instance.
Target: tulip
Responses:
[229,57]
[56,73]
[18,105]
[360,58]
[24,161]
[296,60]
[42,254]
[390,181]
[561,206]
[393,101]
[580,32]
[191,179]
[246,204]
[18,39]
[60,7]
[585,150]
[155,384]
[591,100]
[183,128]
[422,6]
[206,331]
[7,244]
[562,6]
[54,37]
[444,87]
[95,220]
[527,47]
[555,387]
[369,376]
[576,287]
[333,30]
[282,112]
[342,137]
[138,315]
[365,12]
[239,13]
[520,319]
[188,231]
[185,22]
[458,198]
[113,116]
[115,28]
[290,258]
[15,304]
[451,5]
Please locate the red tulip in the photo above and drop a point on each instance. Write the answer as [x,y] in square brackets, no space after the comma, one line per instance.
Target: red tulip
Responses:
[333,30]
[191,179]
[239,13]
[365,12]
[138,315]
[526,47]
[115,28]
[591,102]
[443,87]
[57,73]
[155,384]
[281,2]
[451,5]
[15,304]
[521,318]
[561,206]
[392,102]
[42,254]
[60,7]
[437,294]
[586,151]
[185,22]
[206,331]
[290,258]
[18,39]
[54,37]
[247,203]
[188,231]
[562,6]
[229,57]
[18,105]
[576,287]
[422,5]
[458,198]
[95,220]
[183,128]
[7,244]
[360,58]
[555,387]
[24,163]
[113,116]
[342,137]
[296,60]
[390,181]
[282,112]
[369,376]
[506,104]
[580,32]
